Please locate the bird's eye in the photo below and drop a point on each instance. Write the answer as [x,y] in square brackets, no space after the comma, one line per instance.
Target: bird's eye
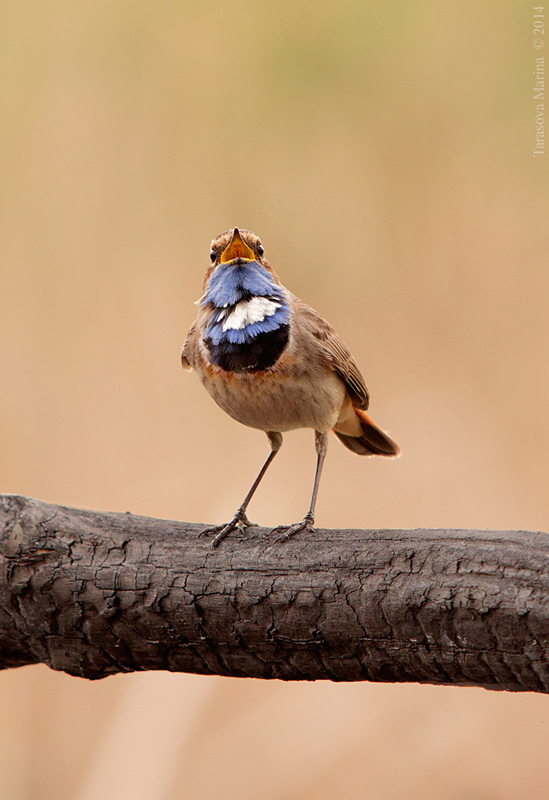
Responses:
[212,255]
[260,249]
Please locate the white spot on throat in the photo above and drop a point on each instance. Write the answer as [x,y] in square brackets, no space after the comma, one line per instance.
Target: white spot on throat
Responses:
[248,311]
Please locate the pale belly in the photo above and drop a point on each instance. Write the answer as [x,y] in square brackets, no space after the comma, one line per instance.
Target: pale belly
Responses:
[278,401]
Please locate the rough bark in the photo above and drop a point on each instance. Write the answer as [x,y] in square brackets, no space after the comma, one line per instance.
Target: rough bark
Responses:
[94,594]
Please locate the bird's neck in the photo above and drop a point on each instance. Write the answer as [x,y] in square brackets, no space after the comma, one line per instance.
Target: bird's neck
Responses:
[231,283]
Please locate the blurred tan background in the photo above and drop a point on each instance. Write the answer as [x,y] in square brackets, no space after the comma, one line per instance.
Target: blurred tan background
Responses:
[383,152]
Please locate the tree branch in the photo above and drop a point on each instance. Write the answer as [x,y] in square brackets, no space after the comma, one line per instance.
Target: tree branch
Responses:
[94,594]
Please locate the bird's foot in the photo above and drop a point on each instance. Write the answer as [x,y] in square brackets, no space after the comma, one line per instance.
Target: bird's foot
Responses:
[287,531]
[239,522]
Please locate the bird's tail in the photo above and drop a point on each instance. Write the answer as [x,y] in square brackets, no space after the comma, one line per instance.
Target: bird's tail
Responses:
[372,441]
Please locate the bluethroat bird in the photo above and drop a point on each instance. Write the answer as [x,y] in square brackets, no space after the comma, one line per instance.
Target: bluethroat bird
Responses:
[271,362]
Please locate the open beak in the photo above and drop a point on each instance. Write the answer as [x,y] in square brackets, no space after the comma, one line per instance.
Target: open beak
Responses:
[237,248]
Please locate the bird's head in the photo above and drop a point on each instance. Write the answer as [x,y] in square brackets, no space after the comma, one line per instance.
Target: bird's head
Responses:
[236,247]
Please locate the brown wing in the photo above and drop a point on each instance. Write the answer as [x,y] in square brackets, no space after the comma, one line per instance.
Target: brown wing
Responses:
[346,368]
[187,359]
[338,354]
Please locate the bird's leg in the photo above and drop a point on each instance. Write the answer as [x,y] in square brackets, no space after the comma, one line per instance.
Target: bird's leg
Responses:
[287,531]
[240,520]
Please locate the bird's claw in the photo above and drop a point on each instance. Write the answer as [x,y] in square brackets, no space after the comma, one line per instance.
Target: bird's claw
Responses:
[239,522]
[288,531]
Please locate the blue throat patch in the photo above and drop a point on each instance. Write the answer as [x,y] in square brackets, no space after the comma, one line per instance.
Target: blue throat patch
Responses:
[230,285]
[258,344]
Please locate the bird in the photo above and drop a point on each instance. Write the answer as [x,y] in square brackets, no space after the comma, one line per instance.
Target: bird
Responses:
[271,362]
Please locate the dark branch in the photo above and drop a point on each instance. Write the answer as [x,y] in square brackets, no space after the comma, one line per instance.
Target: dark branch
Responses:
[94,594]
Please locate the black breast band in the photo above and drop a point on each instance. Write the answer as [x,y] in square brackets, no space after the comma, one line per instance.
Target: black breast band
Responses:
[259,353]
